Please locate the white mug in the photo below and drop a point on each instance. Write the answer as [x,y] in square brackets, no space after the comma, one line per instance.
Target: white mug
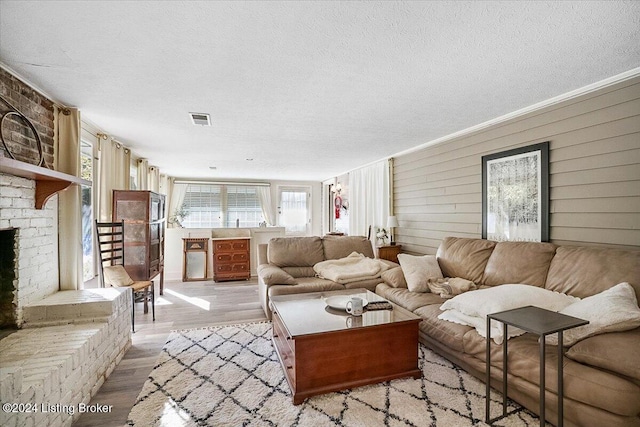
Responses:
[354,306]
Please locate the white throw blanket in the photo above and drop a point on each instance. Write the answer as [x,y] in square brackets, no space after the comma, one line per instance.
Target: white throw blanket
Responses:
[353,268]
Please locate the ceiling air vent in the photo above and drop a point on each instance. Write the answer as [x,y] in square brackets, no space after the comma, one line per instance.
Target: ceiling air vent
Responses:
[202,119]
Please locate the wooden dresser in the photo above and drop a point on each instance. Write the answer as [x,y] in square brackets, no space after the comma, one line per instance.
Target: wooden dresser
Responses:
[231,259]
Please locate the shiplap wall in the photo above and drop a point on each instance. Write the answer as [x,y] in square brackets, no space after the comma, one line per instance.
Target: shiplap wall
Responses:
[594,167]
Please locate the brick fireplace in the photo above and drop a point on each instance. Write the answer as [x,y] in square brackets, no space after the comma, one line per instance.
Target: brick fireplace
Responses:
[32,235]
[70,341]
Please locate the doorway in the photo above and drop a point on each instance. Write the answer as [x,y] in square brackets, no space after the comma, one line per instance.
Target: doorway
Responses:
[294,210]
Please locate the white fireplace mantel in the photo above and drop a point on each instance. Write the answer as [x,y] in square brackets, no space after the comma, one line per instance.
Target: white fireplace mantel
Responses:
[48,182]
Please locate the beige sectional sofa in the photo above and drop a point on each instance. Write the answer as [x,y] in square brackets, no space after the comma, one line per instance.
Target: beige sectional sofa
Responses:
[285,265]
[601,373]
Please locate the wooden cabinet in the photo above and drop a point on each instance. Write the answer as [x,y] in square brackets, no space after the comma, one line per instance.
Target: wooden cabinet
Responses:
[231,259]
[143,213]
[389,252]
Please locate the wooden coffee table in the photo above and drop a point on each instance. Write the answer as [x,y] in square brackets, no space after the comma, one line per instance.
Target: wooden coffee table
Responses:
[324,350]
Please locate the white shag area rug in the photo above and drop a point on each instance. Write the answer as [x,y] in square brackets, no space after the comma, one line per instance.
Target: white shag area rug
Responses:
[230,376]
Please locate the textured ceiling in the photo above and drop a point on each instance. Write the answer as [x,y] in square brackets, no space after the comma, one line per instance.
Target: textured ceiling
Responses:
[309,90]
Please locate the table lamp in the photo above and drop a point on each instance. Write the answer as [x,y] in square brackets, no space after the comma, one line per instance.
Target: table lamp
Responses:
[392,222]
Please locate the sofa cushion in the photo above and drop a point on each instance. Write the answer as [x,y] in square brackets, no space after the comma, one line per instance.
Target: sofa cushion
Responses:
[336,247]
[466,258]
[394,277]
[369,284]
[586,271]
[519,262]
[407,299]
[272,275]
[418,270]
[305,285]
[296,272]
[295,251]
[615,393]
[613,310]
[616,351]
[476,345]
[449,334]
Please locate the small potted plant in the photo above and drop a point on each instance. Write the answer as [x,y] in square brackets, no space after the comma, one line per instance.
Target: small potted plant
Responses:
[179,215]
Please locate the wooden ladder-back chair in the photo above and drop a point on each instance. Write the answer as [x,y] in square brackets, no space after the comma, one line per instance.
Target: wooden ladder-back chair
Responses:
[110,242]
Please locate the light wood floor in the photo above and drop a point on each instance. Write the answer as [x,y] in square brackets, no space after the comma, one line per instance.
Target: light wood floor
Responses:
[183,306]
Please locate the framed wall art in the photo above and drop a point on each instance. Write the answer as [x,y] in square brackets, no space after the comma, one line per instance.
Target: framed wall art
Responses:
[515,194]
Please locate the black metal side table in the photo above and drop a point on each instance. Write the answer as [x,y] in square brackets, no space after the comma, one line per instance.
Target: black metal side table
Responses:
[540,322]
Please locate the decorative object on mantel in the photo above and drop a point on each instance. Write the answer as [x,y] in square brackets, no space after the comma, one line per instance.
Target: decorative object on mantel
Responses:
[14,112]
[515,194]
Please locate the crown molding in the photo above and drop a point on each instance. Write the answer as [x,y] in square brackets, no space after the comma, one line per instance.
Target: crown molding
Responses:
[568,96]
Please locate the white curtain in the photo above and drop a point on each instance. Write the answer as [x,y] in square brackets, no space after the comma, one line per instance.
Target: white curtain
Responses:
[264,195]
[165,186]
[67,153]
[154,179]
[143,174]
[114,162]
[369,198]
[176,199]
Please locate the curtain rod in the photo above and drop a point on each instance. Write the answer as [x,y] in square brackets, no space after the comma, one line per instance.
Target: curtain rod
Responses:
[257,184]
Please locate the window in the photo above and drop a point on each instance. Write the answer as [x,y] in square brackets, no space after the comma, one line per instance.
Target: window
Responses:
[243,207]
[221,206]
[86,164]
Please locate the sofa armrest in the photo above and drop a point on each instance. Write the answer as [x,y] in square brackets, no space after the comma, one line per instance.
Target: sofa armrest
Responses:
[271,274]
[262,254]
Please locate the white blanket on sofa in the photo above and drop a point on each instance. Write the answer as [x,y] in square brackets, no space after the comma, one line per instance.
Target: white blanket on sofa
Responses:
[353,268]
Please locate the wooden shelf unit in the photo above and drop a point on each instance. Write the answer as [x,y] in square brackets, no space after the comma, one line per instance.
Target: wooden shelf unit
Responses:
[143,213]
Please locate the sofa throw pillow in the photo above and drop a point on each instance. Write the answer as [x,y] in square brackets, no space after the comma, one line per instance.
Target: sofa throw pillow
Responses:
[116,275]
[394,277]
[615,351]
[418,270]
[272,275]
[613,310]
